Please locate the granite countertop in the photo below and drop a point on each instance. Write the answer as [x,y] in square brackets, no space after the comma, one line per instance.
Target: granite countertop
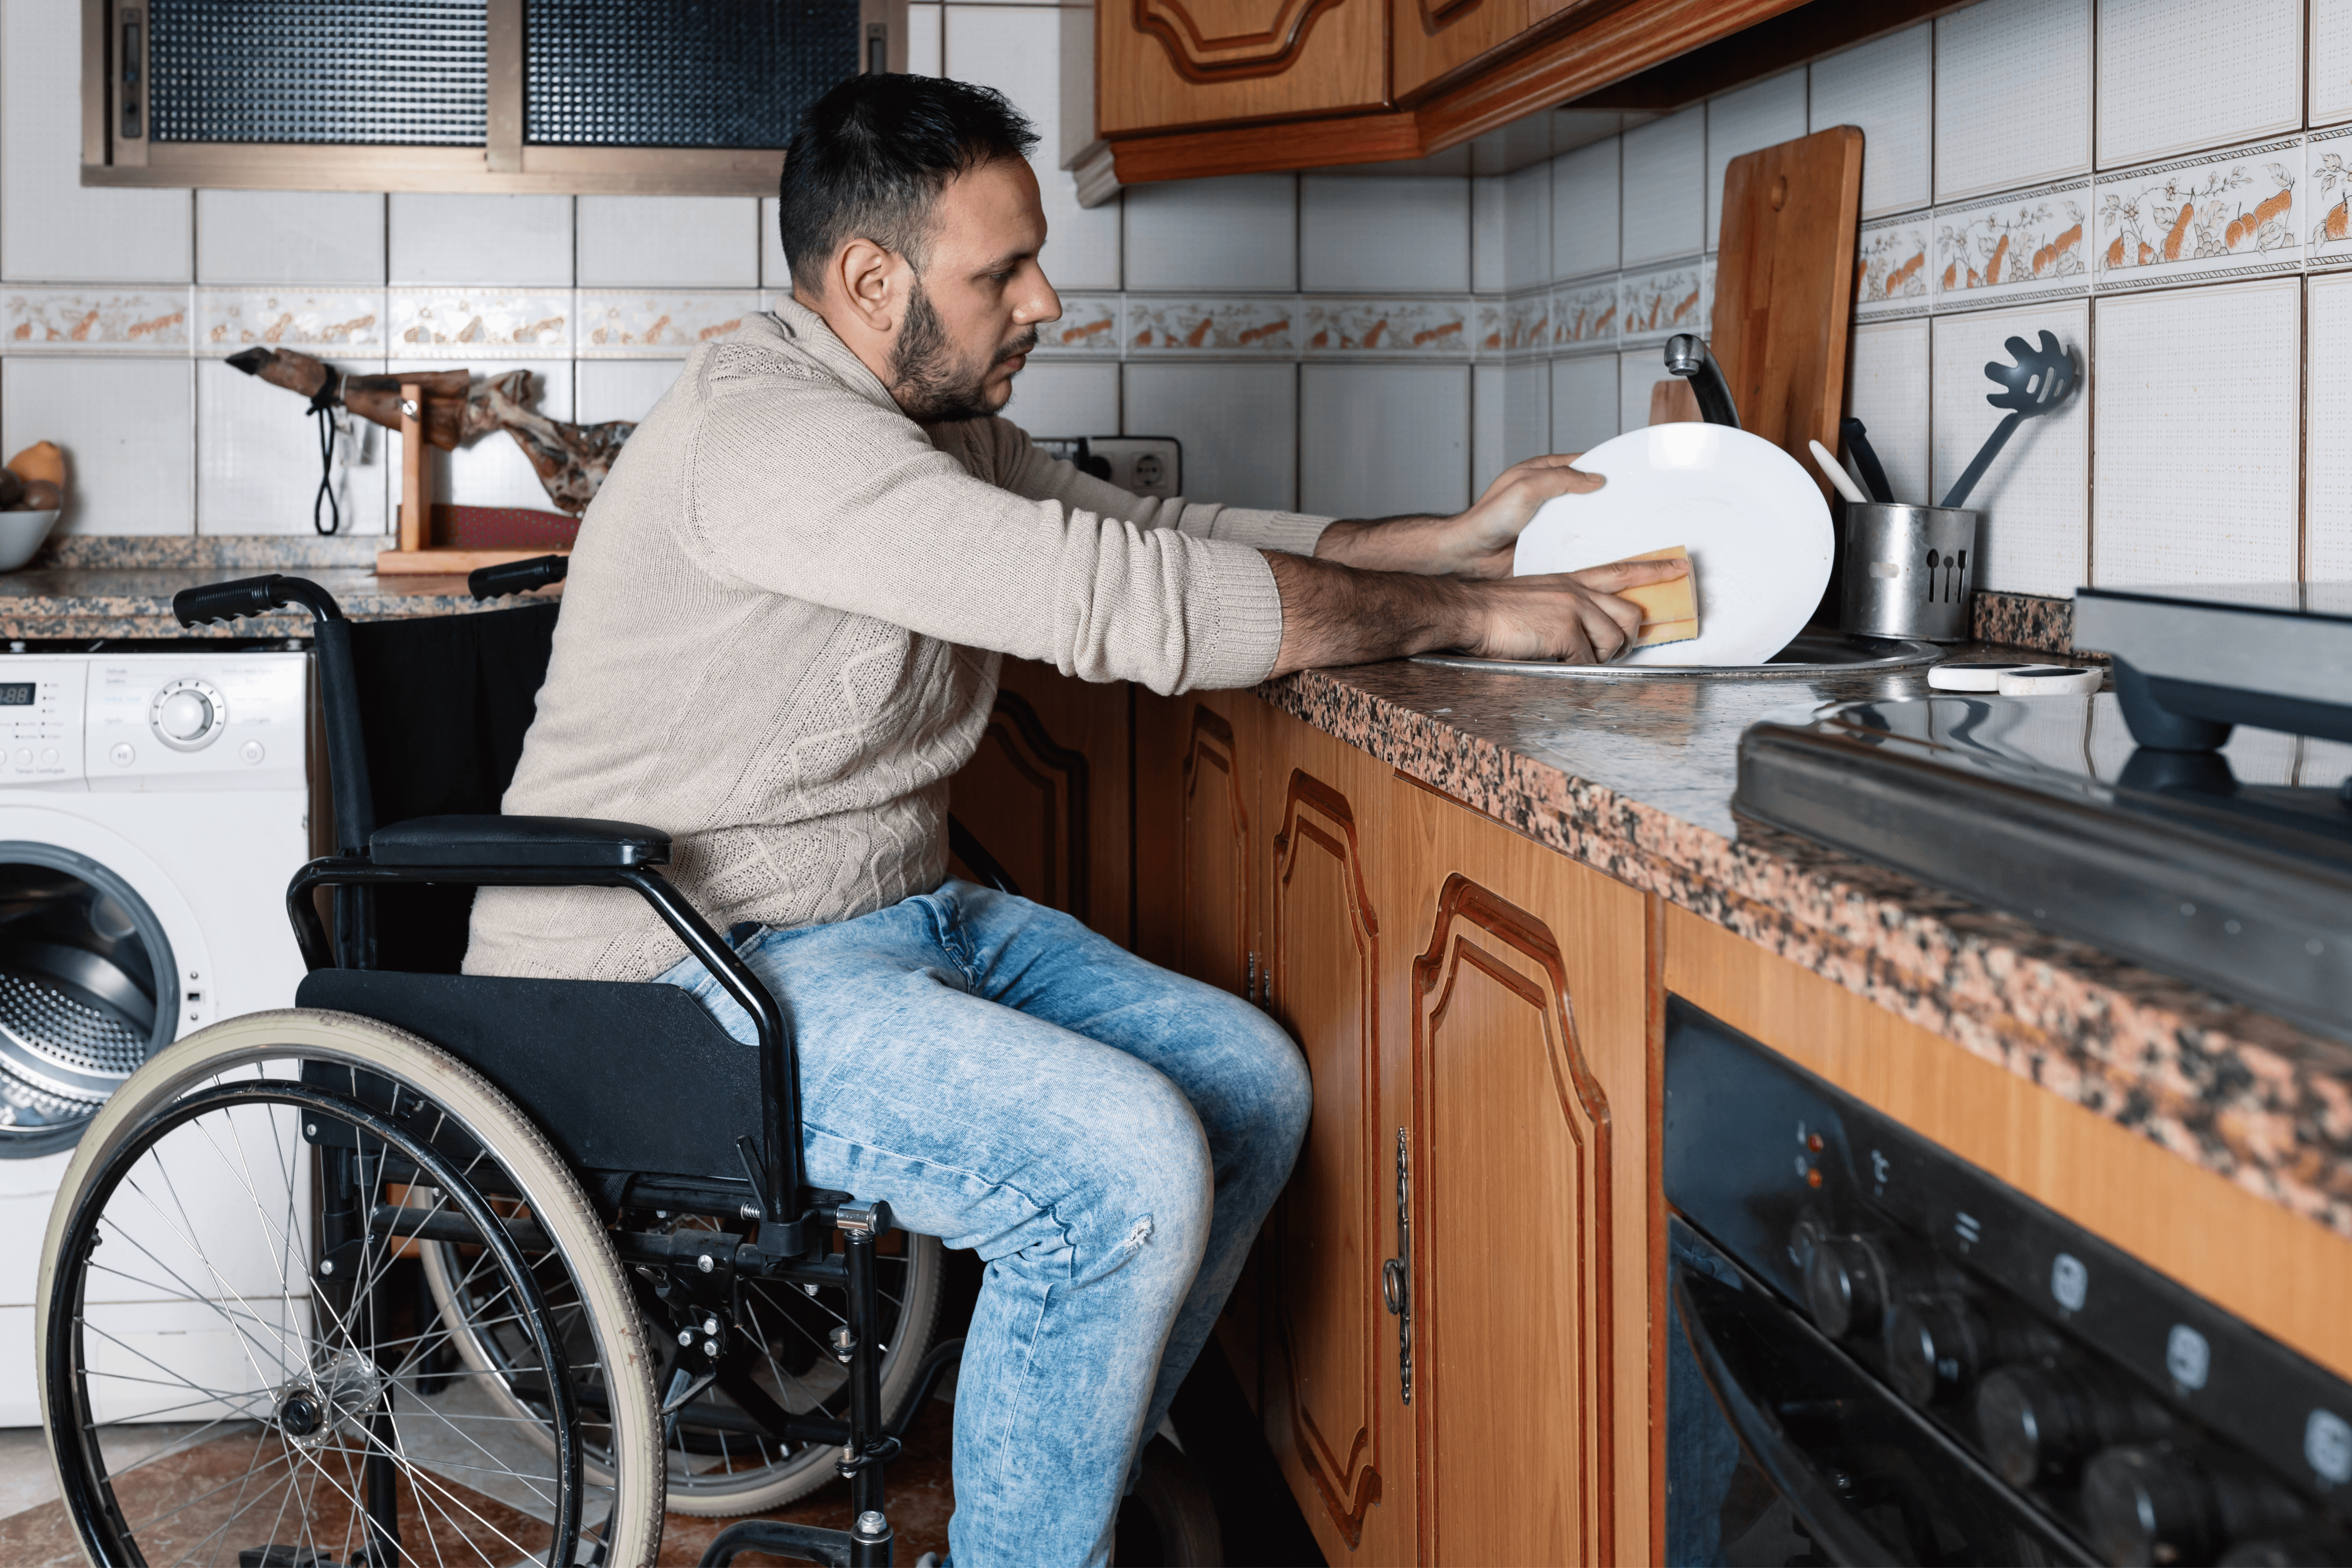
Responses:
[1636,778]
[121,586]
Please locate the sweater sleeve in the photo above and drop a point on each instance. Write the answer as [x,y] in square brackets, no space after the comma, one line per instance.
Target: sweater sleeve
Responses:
[800,487]
[1022,469]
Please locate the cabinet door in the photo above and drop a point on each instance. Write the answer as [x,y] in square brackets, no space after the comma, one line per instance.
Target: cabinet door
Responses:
[1200,850]
[1431,38]
[1527,1003]
[1335,1412]
[1046,793]
[1168,64]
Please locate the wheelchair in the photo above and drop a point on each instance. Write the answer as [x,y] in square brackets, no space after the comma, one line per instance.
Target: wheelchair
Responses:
[634,1298]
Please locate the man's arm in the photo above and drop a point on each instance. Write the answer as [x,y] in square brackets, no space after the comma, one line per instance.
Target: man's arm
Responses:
[1336,615]
[1474,543]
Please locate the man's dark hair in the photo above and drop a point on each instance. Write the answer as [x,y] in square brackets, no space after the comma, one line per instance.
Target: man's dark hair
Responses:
[871,156]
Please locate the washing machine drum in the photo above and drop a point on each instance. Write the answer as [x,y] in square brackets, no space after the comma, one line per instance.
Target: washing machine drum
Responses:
[85,994]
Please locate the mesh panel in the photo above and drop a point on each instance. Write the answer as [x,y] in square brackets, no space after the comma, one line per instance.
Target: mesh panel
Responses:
[55,1027]
[692,73]
[377,71]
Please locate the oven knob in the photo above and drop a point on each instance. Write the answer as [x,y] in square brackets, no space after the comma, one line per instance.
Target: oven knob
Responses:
[1845,1284]
[2037,1423]
[1933,1347]
[2152,1502]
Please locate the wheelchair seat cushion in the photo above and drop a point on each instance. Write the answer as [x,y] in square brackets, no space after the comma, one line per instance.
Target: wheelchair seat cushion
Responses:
[560,843]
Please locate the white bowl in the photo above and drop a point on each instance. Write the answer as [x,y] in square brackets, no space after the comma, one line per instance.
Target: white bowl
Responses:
[21,533]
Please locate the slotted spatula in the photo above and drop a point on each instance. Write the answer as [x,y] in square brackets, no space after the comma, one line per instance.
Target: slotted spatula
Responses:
[2039,381]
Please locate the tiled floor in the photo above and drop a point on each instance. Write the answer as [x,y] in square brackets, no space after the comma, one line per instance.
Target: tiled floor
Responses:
[35,1533]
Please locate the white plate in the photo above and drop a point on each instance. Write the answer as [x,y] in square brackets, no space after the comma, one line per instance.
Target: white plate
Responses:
[1754,521]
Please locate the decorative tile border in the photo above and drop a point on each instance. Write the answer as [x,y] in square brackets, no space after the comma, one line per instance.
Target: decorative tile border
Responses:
[1891,274]
[129,321]
[663,326]
[2013,249]
[1584,315]
[2327,215]
[1252,326]
[2221,214]
[1657,305]
[1089,325]
[343,320]
[1410,328]
[481,323]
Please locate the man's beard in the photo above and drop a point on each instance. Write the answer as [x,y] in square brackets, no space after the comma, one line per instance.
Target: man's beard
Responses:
[926,379]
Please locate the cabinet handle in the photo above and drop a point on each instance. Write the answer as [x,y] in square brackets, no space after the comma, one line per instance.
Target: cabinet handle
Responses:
[1396,1273]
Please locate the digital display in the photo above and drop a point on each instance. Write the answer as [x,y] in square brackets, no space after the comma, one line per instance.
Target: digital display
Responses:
[16,694]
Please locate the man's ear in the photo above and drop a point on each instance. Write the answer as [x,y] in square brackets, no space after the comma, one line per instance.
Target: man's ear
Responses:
[869,279]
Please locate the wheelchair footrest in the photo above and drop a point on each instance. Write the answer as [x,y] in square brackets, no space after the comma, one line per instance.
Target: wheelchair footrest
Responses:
[806,1544]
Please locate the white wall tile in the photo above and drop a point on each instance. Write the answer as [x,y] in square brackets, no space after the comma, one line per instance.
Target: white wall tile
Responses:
[1761,114]
[674,242]
[1239,424]
[1064,399]
[1241,232]
[2328,434]
[923,45]
[2331,61]
[1887,87]
[128,429]
[2035,497]
[1384,232]
[290,236]
[1526,415]
[520,242]
[1527,226]
[2175,75]
[1490,226]
[2012,94]
[1638,371]
[1379,439]
[1888,392]
[52,229]
[775,268]
[1584,210]
[2197,423]
[1666,188]
[257,458]
[492,471]
[621,388]
[1017,49]
[1489,415]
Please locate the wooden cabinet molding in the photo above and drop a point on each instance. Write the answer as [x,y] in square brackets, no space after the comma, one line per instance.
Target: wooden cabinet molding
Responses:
[1325,968]
[1215,928]
[1225,40]
[1493,1026]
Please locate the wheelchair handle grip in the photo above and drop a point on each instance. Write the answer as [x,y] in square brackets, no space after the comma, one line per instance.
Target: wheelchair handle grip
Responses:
[252,597]
[517,576]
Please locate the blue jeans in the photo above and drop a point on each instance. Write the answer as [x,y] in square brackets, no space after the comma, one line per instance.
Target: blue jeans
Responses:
[1106,1135]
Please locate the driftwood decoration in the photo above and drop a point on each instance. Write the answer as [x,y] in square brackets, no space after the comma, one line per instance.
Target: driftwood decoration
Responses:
[569,460]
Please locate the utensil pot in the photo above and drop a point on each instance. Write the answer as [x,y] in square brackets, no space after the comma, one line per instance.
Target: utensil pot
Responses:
[1908,571]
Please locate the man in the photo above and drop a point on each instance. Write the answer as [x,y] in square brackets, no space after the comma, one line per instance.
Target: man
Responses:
[779,639]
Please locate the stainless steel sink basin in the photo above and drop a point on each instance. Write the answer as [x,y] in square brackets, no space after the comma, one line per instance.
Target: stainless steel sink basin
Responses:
[1811,655]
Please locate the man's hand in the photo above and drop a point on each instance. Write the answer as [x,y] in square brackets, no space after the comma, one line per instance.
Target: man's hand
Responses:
[1474,543]
[1334,615]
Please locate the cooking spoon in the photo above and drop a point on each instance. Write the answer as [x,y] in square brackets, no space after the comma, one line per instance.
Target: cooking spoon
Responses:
[2039,381]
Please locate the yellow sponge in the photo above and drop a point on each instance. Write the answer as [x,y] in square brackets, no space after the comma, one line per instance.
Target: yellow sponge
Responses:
[1669,610]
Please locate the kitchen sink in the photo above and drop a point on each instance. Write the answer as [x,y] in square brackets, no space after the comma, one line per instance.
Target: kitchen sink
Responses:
[1812,654]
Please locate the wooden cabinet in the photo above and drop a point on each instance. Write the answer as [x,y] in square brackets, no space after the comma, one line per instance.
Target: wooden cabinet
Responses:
[1163,64]
[1199,846]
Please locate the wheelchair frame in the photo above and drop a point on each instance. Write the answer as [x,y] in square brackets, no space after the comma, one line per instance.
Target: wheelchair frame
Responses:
[699,1271]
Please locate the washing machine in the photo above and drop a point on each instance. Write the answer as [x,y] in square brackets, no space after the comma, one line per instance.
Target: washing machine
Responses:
[153,807]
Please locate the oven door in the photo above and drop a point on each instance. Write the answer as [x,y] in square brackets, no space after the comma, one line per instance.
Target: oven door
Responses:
[1782,1449]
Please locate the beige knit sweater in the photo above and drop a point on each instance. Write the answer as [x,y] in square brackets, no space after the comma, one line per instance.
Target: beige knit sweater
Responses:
[782,629]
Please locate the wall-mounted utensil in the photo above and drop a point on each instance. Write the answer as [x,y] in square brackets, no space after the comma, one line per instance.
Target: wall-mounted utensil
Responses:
[1840,481]
[1857,442]
[1686,356]
[2038,383]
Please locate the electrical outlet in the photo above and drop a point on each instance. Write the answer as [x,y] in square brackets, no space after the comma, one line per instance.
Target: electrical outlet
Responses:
[1146,464]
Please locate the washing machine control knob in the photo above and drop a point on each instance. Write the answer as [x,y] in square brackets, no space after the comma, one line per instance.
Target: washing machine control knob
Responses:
[187,714]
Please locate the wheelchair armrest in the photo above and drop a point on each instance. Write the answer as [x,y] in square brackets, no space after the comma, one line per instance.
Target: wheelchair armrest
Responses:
[548,842]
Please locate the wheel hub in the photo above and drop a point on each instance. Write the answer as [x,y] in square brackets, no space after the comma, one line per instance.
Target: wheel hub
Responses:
[335,1398]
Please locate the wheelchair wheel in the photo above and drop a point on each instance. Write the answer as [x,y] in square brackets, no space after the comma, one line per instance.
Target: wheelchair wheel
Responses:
[721,1462]
[225,1374]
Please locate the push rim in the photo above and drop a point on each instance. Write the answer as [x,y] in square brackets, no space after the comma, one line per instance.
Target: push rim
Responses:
[318,1391]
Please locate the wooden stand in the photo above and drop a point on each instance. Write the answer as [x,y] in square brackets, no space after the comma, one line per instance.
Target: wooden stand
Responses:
[417,555]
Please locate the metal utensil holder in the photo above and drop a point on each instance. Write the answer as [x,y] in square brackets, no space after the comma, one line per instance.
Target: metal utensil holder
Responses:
[1909,570]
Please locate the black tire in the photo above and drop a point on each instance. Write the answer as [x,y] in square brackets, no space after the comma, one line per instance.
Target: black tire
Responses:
[1170,1520]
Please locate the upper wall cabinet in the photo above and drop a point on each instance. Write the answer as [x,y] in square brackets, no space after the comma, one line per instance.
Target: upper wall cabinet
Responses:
[1177,62]
[464,95]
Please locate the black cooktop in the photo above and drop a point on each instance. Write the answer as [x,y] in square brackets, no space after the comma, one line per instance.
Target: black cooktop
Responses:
[2231,869]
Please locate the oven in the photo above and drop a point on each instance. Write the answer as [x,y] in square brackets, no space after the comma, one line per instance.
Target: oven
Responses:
[1879,1354]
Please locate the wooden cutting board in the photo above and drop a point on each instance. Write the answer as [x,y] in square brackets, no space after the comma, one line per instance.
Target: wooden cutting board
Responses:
[1784,286]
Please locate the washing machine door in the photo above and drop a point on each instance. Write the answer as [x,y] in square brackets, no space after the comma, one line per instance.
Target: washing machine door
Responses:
[88,973]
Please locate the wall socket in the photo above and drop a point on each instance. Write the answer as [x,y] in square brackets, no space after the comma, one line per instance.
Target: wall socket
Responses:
[1146,464]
